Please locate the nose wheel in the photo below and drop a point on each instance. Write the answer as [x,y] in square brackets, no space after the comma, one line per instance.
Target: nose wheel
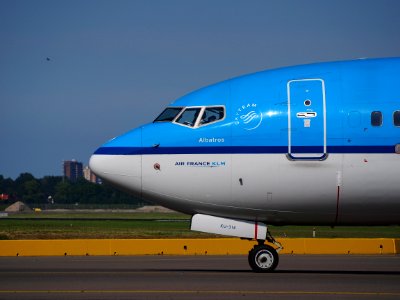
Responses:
[263,258]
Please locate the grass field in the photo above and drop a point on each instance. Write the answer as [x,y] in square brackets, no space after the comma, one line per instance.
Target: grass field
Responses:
[102,215]
[150,225]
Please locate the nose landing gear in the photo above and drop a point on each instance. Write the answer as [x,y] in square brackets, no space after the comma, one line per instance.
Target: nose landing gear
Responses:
[264,258]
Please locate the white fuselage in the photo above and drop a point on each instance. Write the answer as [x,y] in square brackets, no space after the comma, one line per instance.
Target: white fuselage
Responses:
[343,189]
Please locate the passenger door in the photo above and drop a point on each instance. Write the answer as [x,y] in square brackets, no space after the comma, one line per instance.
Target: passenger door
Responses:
[306,119]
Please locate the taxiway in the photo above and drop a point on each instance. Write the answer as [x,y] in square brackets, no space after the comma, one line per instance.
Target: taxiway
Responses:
[197,277]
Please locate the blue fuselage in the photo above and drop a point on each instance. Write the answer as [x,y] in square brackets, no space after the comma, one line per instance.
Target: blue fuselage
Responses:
[307,144]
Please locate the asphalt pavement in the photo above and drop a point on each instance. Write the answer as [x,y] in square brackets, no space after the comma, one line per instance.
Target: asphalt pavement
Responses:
[198,277]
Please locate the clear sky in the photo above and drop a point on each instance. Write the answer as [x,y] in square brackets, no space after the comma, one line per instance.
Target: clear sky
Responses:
[74,74]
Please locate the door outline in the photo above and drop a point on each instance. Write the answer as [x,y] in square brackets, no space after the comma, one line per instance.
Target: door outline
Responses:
[309,156]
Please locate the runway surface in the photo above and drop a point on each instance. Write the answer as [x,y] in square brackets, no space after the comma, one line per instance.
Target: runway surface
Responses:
[198,277]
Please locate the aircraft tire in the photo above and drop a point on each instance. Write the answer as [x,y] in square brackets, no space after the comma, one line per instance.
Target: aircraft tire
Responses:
[263,258]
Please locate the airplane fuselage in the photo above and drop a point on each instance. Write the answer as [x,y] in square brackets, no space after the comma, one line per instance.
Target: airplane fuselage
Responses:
[314,144]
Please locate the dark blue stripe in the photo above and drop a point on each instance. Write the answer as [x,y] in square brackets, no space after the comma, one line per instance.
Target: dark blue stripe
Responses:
[361,149]
[240,150]
[119,150]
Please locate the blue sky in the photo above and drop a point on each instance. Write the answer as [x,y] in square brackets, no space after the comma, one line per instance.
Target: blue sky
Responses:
[115,65]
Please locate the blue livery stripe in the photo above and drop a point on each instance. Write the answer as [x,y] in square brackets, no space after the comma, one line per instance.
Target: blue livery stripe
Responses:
[240,150]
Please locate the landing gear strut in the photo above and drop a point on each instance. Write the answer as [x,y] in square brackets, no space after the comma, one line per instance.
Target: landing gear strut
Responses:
[264,258]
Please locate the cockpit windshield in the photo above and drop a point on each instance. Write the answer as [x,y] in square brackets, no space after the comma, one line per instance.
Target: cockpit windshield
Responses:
[192,116]
[169,114]
[212,114]
[189,116]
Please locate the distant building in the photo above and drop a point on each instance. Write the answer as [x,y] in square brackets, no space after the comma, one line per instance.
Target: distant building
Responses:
[73,169]
[90,176]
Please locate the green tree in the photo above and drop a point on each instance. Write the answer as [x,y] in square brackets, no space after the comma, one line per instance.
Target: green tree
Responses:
[7,186]
[63,192]
[36,191]
[32,192]
[27,188]
[48,185]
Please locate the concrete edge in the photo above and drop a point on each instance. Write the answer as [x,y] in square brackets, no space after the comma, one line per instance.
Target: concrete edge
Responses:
[219,246]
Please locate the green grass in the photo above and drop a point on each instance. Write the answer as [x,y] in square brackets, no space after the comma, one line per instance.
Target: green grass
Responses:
[96,225]
[101,215]
[91,229]
[151,225]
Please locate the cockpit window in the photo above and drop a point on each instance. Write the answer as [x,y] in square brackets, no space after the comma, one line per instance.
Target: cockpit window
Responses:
[189,116]
[169,114]
[194,116]
[212,114]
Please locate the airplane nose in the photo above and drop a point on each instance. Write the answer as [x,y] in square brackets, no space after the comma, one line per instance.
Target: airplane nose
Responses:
[119,170]
[120,163]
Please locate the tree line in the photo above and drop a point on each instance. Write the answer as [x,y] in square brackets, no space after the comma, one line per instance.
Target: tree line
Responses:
[59,190]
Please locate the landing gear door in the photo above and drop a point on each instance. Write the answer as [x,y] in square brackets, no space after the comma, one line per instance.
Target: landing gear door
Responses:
[306,119]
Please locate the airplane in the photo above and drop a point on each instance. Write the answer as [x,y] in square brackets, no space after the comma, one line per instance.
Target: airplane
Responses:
[315,144]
